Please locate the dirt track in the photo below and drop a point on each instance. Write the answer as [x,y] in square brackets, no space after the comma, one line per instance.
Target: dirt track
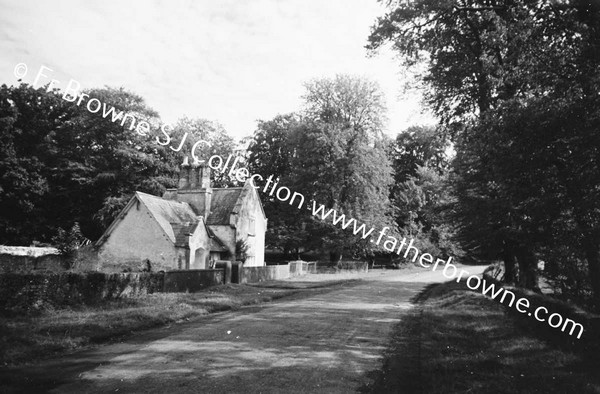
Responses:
[323,343]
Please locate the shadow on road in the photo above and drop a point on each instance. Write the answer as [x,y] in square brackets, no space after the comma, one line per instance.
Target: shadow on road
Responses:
[458,341]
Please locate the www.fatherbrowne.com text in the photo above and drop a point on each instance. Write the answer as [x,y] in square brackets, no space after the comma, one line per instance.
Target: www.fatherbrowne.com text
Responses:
[426,260]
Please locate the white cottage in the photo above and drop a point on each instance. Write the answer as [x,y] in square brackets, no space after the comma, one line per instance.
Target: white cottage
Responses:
[186,228]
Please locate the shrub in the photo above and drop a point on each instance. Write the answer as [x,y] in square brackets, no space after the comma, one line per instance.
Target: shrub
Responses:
[67,243]
[241,250]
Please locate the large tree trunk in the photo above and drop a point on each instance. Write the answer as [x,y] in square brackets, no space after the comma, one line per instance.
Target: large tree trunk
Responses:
[510,269]
[528,277]
[592,253]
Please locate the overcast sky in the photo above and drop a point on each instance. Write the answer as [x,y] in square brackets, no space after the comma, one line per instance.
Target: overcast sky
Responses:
[232,61]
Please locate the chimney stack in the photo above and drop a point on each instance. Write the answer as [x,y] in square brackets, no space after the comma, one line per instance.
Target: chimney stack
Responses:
[184,174]
[204,175]
[194,176]
[194,186]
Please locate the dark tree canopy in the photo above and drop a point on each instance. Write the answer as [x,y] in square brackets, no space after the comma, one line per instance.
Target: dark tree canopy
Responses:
[60,164]
[516,84]
[334,154]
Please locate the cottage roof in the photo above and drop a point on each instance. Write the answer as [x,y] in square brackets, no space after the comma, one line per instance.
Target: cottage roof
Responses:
[168,211]
[216,245]
[179,220]
[182,231]
[222,205]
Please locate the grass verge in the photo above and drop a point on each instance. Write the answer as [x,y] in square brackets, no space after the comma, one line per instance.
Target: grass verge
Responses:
[458,341]
[25,339]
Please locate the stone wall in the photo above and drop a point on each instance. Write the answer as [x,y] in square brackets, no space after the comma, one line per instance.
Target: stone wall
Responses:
[342,266]
[300,267]
[85,259]
[261,274]
[12,263]
[33,291]
[26,292]
[49,262]
[192,280]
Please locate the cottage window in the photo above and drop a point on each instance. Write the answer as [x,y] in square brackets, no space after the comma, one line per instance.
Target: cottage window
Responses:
[251,227]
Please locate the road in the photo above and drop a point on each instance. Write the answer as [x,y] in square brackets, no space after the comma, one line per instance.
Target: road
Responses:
[325,343]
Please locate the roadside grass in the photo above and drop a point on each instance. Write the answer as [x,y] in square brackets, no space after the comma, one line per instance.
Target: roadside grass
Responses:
[458,341]
[29,338]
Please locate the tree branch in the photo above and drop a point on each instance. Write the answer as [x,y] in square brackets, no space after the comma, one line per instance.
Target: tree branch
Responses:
[492,8]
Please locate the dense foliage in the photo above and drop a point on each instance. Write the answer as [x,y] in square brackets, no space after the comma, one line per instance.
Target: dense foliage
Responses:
[60,164]
[516,86]
[332,152]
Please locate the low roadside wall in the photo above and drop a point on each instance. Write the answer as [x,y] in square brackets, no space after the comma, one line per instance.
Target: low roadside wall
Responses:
[261,274]
[18,259]
[343,266]
[192,280]
[29,263]
[298,268]
[34,291]
[23,292]
[28,292]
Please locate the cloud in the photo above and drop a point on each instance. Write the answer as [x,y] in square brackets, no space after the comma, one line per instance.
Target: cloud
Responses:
[229,61]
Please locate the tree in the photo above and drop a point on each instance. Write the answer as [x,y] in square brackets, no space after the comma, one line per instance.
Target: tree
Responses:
[61,164]
[419,146]
[339,158]
[505,77]
[350,101]
[28,117]
[218,142]
[270,153]
[419,195]
[478,53]
[115,158]
[334,154]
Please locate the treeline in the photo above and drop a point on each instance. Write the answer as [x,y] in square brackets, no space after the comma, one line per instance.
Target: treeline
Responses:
[61,165]
[333,151]
[64,170]
[511,172]
[516,85]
